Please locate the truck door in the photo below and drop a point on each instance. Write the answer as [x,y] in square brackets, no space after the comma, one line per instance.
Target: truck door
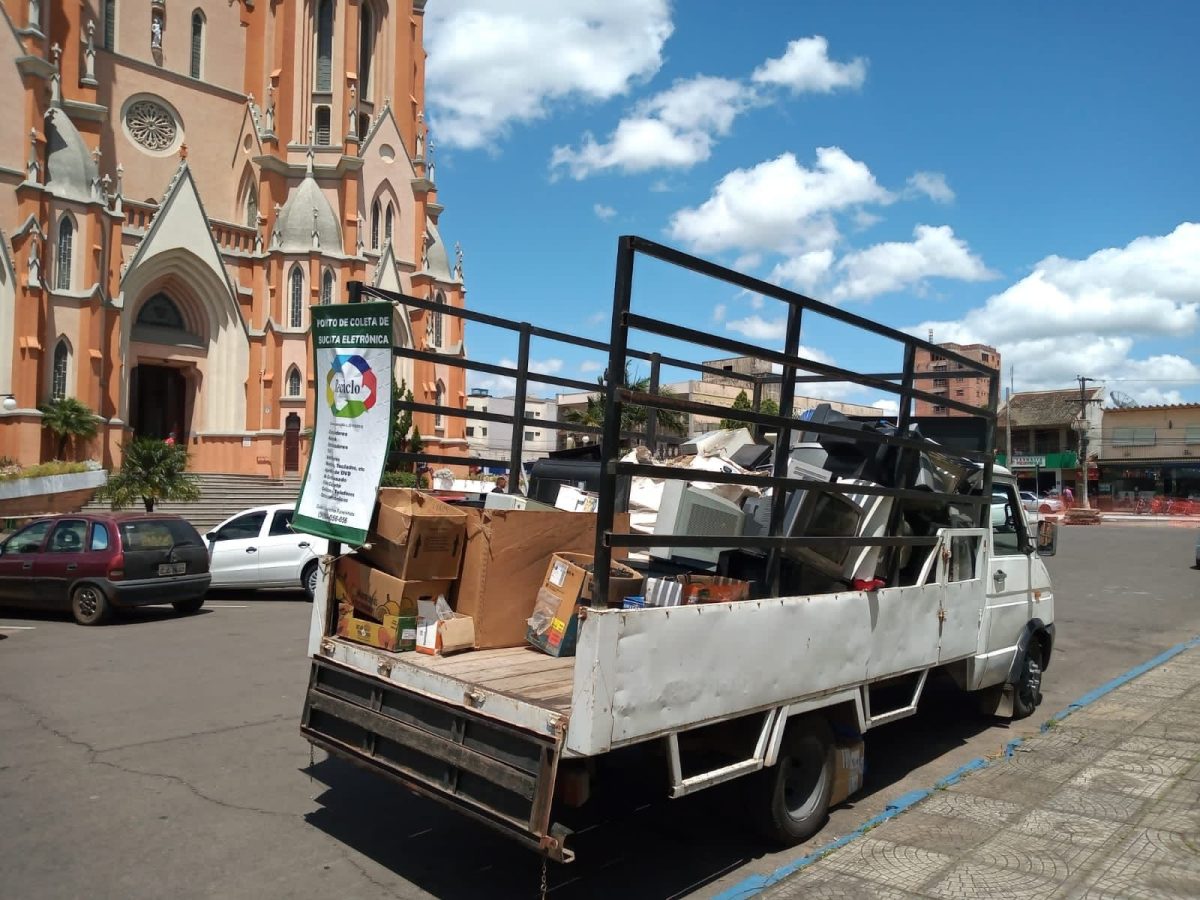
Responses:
[1009,599]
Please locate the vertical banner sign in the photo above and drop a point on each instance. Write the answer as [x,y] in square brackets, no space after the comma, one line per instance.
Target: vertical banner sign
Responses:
[352,351]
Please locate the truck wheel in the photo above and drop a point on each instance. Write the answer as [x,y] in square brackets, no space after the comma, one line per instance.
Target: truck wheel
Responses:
[1027,692]
[89,606]
[187,607]
[309,579]
[794,793]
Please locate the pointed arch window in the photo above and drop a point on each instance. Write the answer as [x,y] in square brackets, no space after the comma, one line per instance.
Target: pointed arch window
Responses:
[364,124]
[197,42]
[108,16]
[63,260]
[323,126]
[366,49]
[293,382]
[296,298]
[375,225]
[327,287]
[252,207]
[325,45]
[58,379]
[439,421]
[437,321]
[387,224]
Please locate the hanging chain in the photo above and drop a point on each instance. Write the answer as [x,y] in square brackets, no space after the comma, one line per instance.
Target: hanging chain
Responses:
[545,884]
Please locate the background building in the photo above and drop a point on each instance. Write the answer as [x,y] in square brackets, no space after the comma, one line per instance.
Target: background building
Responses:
[180,186]
[965,390]
[1045,439]
[493,440]
[1148,451]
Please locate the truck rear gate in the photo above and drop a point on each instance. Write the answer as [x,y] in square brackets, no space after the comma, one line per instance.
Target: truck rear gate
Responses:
[501,776]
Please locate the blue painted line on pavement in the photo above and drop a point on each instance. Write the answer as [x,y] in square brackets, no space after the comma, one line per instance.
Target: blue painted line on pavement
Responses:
[755,884]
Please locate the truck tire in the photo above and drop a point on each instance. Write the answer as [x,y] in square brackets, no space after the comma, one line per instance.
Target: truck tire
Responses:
[89,606]
[794,794]
[1027,691]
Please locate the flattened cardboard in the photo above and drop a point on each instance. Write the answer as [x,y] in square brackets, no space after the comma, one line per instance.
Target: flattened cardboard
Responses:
[505,562]
[375,593]
[415,536]
[850,764]
[395,633]
[562,587]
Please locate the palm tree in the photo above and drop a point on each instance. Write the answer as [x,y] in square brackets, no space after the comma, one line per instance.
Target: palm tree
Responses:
[69,420]
[151,470]
[633,418]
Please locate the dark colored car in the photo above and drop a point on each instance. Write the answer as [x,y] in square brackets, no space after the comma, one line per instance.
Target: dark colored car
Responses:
[93,564]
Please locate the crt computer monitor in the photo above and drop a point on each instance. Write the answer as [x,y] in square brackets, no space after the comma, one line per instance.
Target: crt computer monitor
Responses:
[685,510]
[841,515]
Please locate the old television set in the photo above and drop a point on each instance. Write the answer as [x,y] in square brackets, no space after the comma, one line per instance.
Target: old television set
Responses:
[826,514]
[685,510]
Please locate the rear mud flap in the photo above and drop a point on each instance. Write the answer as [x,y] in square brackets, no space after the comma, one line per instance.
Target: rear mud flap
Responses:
[501,776]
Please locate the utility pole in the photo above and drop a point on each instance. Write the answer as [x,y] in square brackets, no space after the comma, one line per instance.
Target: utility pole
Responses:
[1083,434]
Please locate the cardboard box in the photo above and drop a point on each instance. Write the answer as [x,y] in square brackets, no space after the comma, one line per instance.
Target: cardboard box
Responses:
[443,636]
[376,594]
[415,536]
[622,581]
[572,499]
[713,589]
[505,563]
[395,633]
[849,766]
[553,624]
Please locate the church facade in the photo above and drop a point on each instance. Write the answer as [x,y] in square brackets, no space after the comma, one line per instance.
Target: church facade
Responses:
[179,184]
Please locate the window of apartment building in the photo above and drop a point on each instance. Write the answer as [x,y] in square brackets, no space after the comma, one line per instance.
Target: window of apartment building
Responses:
[1191,434]
[940,382]
[1134,437]
[959,392]
[483,432]
[470,431]
[197,42]
[986,358]
[938,408]
[529,435]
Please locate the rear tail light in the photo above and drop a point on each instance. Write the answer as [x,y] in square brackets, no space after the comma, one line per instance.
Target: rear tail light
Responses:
[116,567]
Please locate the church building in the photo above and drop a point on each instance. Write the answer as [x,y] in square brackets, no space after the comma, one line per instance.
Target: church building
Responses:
[179,184]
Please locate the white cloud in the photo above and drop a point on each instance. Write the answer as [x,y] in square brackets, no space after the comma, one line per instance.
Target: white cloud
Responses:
[673,129]
[934,252]
[597,318]
[757,328]
[1071,317]
[891,407]
[805,67]
[803,272]
[778,205]
[504,386]
[591,366]
[493,63]
[604,213]
[932,184]
[718,313]
[864,220]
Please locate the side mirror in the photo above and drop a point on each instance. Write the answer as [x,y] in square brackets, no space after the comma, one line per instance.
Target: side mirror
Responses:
[212,536]
[1047,538]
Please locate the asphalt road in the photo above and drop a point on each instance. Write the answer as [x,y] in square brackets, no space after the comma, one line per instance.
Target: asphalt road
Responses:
[161,757]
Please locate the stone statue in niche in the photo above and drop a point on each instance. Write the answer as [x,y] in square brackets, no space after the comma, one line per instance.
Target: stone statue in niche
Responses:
[34,263]
[156,30]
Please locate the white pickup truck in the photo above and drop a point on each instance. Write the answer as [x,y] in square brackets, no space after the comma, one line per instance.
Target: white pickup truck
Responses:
[761,686]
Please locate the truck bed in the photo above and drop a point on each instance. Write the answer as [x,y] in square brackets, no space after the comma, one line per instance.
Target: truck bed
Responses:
[522,673]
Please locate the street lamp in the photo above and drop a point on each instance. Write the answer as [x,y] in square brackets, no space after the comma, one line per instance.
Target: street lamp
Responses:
[1081,425]
[10,402]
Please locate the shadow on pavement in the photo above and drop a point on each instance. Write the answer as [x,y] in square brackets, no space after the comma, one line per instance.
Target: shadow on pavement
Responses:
[630,840]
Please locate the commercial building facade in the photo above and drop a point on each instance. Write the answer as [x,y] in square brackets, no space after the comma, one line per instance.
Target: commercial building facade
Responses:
[180,186]
[1045,437]
[1150,451]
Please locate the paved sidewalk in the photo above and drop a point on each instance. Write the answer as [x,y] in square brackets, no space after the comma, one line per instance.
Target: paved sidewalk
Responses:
[1103,805]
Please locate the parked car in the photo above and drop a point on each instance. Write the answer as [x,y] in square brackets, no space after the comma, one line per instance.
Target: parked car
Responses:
[1198,551]
[258,549]
[94,564]
[1044,504]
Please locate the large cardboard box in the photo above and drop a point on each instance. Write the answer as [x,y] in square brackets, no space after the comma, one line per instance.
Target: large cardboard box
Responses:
[376,594]
[505,562]
[415,536]
[443,636]
[396,633]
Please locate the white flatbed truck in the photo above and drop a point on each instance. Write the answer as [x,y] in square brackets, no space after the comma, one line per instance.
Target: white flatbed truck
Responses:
[492,732]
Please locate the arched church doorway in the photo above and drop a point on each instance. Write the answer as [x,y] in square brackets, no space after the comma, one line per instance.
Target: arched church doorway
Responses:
[158,402]
[291,443]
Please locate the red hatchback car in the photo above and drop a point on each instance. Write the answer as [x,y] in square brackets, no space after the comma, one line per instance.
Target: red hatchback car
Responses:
[93,564]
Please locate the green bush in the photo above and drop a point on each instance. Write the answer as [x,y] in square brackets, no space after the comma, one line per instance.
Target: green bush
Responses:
[403,479]
[54,467]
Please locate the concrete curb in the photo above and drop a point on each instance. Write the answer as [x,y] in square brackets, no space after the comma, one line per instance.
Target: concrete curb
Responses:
[756,884]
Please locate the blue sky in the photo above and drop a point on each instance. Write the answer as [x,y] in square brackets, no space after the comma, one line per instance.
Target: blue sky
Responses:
[1022,175]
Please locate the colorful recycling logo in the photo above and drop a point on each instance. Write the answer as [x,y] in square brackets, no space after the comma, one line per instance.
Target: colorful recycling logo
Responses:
[350,388]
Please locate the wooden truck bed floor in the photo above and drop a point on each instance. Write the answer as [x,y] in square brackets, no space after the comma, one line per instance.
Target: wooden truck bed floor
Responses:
[520,672]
